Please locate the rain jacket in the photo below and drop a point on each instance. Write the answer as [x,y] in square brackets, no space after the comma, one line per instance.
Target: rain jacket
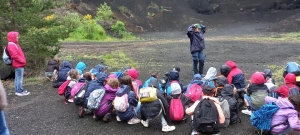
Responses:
[196,39]
[15,51]
[63,71]
[52,65]
[80,67]
[286,116]
[129,113]
[290,82]
[235,76]
[257,90]
[109,96]
[95,84]
[148,81]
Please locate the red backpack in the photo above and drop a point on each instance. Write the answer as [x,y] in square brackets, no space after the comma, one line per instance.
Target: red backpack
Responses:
[176,109]
[61,89]
[194,92]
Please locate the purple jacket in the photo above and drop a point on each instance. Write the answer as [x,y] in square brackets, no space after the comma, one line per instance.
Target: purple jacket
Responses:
[286,113]
[109,96]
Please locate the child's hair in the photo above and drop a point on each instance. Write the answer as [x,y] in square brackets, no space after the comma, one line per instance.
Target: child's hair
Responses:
[154,73]
[125,72]
[208,90]
[87,76]
[57,60]
[295,100]
[113,83]
[74,74]
[127,81]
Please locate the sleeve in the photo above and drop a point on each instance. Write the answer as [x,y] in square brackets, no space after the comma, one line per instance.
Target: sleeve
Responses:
[229,78]
[3,99]
[203,28]
[13,52]
[132,99]
[294,121]
[220,112]
[190,31]
[190,110]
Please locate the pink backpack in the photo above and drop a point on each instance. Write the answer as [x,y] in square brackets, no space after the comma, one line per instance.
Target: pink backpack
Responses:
[194,92]
[176,109]
[76,88]
[136,88]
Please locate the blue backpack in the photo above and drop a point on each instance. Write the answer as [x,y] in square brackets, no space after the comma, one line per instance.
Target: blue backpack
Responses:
[209,82]
[292,67]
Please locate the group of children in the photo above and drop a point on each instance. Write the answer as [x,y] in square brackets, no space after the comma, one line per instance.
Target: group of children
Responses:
[212,101]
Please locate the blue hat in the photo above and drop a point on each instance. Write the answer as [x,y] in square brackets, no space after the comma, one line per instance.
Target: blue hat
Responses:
[197,76]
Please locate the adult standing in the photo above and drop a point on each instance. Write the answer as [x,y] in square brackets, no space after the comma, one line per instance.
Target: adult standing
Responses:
[3,103]
[18,62]
[195,33]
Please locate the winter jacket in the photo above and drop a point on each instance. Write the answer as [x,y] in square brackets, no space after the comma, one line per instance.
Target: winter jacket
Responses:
[235,76]
[63,71]
[147,83]
[286,116]
[257,93]
[15,51]
[80,67]
[196,39]
[52,65]
[95,84]
[132,100]
[290,82]
[109,96]
[174,76]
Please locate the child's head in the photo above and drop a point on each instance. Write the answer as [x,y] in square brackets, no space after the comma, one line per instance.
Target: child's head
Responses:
[126,80]
[74,74]
[224,70]
[87,76]
[197,77]
[207,91]
[56,59]
[257,78]
[154,83]
[295,100]
[133,73]
[113,83]
[154,74]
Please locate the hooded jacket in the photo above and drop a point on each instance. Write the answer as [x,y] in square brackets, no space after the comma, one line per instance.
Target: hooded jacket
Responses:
[52,65]
[257,90]
[173,76]
[15,51]
[290,82]
[235,76]
[120,74]
[285,116]
[95,84]
[148,81]
[134,74]
[80,67]
[129,113]
[63,71]
[110,94]
[196,39]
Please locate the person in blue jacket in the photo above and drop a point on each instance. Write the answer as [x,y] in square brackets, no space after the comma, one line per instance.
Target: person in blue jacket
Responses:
[195,33]
[154,74]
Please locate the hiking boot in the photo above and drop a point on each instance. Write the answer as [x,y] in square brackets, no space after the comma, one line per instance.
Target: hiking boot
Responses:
[80,112]
[118,118]
[145,123]
[107,117]
[168,128]
[134,121]
[248,112]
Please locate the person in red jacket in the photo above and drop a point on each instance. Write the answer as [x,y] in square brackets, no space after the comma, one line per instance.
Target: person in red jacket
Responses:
[18,61]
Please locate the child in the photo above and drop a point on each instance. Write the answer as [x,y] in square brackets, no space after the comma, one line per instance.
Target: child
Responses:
[52,68]
[74,76]
[219,82]
[268,76]
[286,119]
[173,77]
[130,115]
[80,67]
[157,108]
[209,77]
[207,92]
[87,76]
[289,82]
[256,93]
[106,106]
[153,75]
[196,80]
[224,70]
[62,74]
[137,84]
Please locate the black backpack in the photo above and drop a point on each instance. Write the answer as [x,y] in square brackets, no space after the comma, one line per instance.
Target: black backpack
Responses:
[206,117]
[79,96]
[293,90]
[234,110]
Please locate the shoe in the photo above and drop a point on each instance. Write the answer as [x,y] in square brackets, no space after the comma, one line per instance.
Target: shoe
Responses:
[71,100]
[118,118]
[145,123]
[80,112]
[25,93]
[107,117]
[134,121]
[20,94]
[194,132]
[168,128]
[248,112]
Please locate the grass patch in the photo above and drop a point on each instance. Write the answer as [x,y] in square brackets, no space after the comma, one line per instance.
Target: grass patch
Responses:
[117,59]
[277,72]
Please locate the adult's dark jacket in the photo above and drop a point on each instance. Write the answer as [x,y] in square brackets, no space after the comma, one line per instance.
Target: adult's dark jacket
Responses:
[196,39]
[63,71]
[52,65]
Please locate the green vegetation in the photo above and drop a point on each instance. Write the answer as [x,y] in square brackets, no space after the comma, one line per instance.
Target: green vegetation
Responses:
[277,72]
[104,13]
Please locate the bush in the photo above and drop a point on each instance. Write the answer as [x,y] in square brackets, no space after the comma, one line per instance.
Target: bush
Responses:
[105,13]
[89,30]
[118,27]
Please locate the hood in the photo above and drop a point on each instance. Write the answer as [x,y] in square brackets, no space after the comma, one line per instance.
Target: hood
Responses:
[211,72]
[197,77]
[65,64]
[99,68]
[13,37]
[225,69]
[231,64]
[268,72]
[284,103]
[174,75]
[290,79]
[133,73]
[221,81]
[124,89]
[101,77]
[81,66]
[153,83]
[110,89]
[227,90]
[257,78]
[199,82]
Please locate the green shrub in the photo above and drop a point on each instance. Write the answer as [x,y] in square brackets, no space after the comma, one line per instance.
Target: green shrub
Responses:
[89,30]
[72,20]
[104,12]
[118,27]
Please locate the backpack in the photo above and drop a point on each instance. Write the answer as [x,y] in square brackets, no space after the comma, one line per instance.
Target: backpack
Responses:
[176,109]
[79,96]
[291,67]
[76,88]
[94,99]
[169,91]
[293,90]
[206,117]
[209,82]
[194,92]
[62,88]
[262,117]
[226,111]
[147,94]
[6,56]
[273,91]
[121,103]
[135,88]
[234,110]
